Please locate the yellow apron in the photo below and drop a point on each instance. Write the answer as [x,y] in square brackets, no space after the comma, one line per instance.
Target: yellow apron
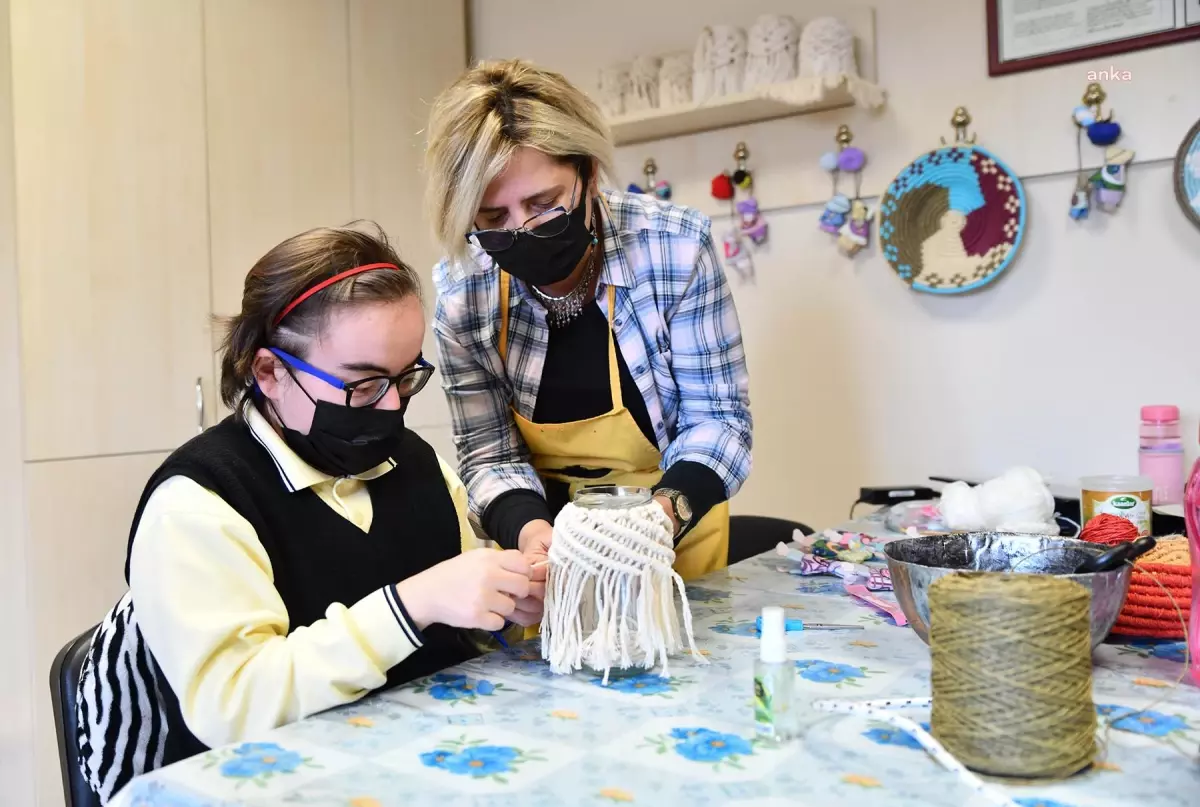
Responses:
[613,442]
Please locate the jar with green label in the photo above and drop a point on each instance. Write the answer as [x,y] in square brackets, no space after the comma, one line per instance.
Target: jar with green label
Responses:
[1128,497]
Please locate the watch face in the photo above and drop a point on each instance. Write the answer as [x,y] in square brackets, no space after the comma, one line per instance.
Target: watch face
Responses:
[682,509]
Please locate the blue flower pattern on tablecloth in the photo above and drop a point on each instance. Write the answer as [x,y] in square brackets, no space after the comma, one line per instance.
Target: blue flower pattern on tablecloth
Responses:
[697,594]
[744,628]
[455,687]
[477,759]
[1040,803]
[828,672]
[886,735]
[640,684]
[706,745]
[1147,722]
[251,760]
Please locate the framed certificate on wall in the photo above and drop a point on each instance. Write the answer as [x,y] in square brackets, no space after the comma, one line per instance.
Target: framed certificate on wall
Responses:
[1029,34]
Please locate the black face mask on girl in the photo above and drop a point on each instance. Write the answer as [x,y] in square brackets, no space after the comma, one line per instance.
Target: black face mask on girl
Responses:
[550,252]
[345,440]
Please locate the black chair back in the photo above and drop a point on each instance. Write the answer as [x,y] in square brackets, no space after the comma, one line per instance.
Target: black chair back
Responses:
[64,689]
[753,535]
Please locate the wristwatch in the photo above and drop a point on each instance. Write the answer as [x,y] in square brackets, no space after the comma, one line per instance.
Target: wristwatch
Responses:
[679,503]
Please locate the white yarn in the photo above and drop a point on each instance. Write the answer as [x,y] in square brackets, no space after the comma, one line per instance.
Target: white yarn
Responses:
[675,79]
[612,88]
[719,62]
[827,49]
[643,84]
[1016,501]
[771,50]
[609,598]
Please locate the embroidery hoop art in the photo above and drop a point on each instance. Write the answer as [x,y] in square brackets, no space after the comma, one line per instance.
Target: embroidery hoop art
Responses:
[966,179]
[1187,174]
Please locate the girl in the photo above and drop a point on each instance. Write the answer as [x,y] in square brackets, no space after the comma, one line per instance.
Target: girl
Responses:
[308,549]
[585,336]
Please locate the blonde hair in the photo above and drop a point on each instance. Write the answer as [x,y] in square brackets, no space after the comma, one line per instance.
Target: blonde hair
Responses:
[479,121]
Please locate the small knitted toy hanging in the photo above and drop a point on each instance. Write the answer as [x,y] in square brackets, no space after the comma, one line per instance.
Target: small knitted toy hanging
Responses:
[653,187]
[1106,186]
[752,224]
[846,218]
[610,591]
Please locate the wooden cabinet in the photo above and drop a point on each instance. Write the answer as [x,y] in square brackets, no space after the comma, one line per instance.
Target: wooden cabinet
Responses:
[151,151]
[112,223]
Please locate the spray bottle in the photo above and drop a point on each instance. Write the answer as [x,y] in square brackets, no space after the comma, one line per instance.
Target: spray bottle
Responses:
[775,713]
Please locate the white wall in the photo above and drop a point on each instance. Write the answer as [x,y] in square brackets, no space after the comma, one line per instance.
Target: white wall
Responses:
[856,380]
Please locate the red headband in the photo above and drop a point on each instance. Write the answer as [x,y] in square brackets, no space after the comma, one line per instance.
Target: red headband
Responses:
[324,284]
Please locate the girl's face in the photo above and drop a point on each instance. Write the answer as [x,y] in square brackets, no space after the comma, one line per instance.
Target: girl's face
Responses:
[359,341]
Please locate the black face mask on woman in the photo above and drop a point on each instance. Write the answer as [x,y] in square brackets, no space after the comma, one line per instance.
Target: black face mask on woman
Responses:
[345,440]
[541,260]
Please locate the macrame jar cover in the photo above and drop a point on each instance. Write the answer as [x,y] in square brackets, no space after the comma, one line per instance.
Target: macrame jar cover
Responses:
[643,84]
[771,50]
[675,80]
[719,62]
[612,89]
[610,592]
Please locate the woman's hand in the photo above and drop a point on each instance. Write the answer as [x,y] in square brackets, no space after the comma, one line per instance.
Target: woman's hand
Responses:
[479,589]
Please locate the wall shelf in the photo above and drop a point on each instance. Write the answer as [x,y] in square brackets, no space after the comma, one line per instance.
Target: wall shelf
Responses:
[800,96]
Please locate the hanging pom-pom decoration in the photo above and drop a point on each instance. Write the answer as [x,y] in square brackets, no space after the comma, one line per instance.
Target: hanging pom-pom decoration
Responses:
[1104,132]
[851,159]
[634,188]
[662,189]
[829,161]
[1083,116]
[742,179]
[722,187]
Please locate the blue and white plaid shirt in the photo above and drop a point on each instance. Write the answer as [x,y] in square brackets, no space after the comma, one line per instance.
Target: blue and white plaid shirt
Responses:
[675,324]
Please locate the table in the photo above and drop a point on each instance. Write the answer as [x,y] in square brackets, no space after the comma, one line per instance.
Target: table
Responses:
[502,729]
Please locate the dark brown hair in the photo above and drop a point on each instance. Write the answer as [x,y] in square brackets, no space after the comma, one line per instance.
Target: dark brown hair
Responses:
[286,272]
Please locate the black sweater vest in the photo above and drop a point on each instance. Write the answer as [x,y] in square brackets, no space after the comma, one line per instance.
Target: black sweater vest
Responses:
[317,556]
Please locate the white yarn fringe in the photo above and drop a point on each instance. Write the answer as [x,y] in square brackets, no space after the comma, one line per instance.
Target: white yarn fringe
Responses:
[827,48]
[719,62]
[610,592]
[612,88]
[675,79]
[643,84]
[810,89]
[771,50]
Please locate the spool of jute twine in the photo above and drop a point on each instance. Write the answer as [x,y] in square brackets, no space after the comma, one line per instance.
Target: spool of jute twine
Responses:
[1012,673]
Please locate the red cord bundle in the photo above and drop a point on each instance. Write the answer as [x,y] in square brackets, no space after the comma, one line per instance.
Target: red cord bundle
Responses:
[1109,529]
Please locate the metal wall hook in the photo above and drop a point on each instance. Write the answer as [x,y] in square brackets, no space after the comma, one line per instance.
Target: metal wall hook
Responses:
[1093,98]
[960,120]
[844,136]
[650,171]
[741,154]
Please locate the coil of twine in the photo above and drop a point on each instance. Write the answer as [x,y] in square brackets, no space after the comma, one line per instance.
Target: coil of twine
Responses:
[1012,673]
[1109,529]
[1159,591]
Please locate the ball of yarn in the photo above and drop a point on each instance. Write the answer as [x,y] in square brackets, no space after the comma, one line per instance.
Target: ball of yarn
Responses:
[1104,133]
[829,161]
[1109,529]
[1083,116]
[851,159]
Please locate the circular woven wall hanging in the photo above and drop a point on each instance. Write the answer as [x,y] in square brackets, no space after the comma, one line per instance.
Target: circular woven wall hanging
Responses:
[1187,174]
[952,220]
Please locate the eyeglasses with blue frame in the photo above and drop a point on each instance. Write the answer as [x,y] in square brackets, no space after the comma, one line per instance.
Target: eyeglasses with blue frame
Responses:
[366,391]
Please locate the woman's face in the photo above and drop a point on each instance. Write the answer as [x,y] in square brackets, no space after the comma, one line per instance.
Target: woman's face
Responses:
[532,183]
[359,341]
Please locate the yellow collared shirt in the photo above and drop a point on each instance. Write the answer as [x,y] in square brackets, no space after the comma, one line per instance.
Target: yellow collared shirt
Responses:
[206,603]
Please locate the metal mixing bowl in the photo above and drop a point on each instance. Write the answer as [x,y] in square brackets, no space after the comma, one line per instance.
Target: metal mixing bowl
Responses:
[915,563]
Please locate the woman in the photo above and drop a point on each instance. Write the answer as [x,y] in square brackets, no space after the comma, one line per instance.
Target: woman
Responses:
[586,337]
[308,549]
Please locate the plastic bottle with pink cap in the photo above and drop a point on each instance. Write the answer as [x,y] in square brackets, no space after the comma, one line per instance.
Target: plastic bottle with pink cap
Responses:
[1160,453]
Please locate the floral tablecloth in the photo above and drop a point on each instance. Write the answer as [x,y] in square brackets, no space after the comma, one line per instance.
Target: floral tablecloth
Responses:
[503,730]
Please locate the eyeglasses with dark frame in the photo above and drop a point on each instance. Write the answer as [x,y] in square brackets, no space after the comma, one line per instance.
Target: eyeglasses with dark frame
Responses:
[548,224]
[366,391]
